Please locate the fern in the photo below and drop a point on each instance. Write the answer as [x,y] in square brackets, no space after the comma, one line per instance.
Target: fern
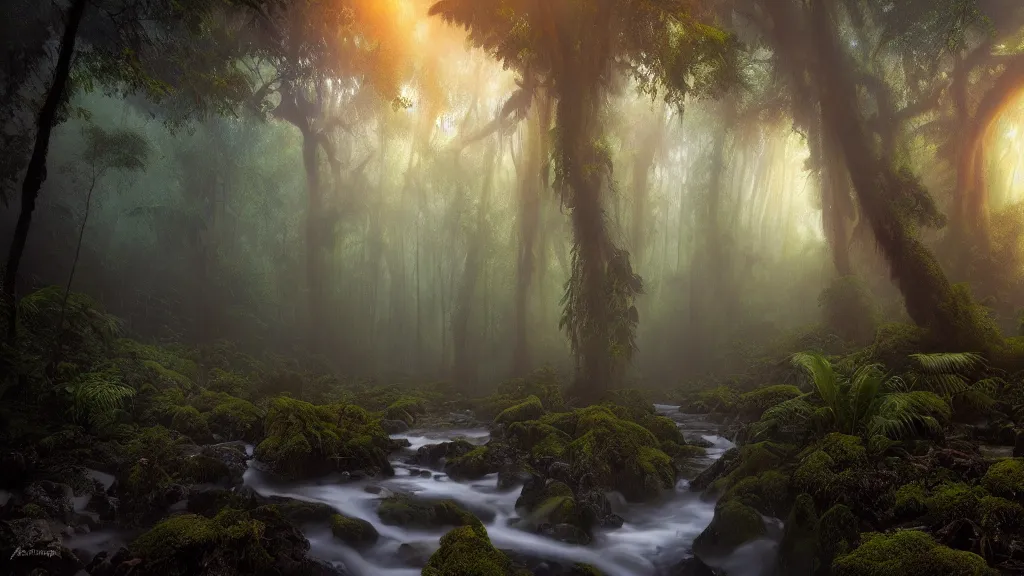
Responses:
[868,403]
[948,362]
[97,397]
[949,374]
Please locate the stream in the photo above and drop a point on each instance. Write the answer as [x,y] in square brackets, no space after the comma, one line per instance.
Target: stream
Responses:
[653,538]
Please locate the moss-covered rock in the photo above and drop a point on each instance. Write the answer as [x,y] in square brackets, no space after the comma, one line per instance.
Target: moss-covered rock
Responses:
[236,419]
[433,454]
[734,524]
[617,454]
[406,409]
[552,503]
[753,404]
[355,532]
[475,464]
[768,493]
[910,501]
[949,502]
[467,551]
[999,515]
[908,552]
[304,440]
[1006,479]
[191,423]
[748,460]
[414,513]
[189,544]
[833,472]
[233,542]
[798,550]
[838,533]
[664,429]
[538,439]
[529,409]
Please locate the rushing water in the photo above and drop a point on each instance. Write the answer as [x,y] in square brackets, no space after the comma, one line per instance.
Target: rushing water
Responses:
[653,537]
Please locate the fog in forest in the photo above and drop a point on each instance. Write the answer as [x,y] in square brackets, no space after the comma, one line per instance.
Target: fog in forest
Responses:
[321,199]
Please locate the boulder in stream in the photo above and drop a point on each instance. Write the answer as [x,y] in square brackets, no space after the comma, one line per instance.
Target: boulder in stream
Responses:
[355,532]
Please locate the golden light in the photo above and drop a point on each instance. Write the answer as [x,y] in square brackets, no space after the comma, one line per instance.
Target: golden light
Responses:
[1005,151]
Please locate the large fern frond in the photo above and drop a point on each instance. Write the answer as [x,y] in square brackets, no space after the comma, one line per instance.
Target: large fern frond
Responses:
[793,412]
[864,388]
[823,376]
[948,362]
[901,414]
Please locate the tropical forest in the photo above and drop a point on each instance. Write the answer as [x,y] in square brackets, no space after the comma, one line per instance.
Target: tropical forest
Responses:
[512,287]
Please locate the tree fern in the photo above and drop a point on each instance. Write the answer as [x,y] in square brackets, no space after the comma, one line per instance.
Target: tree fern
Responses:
[868,403]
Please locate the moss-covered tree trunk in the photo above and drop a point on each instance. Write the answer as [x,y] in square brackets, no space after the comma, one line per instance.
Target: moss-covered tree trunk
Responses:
[582,167]
[35,174]
[929,298]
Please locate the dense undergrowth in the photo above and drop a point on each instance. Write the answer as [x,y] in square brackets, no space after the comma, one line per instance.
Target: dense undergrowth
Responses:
[869,455]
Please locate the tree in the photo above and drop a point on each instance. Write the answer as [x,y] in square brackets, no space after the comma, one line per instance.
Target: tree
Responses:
[891,197]
[36,173]
[105,151]
[311,54]
[580,50]
[126,52]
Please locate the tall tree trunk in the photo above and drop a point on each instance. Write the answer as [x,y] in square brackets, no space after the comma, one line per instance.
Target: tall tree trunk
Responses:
[35,175]
[586,316]
[835,202]
[929,298]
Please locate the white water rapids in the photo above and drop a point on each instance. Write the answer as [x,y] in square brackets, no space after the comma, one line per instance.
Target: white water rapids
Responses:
[652,539]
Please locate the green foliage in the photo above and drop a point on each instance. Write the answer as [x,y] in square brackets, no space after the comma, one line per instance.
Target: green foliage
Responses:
[191,423]
[951,376]
[753,404]
[869,405]
[96,397]
[908,552]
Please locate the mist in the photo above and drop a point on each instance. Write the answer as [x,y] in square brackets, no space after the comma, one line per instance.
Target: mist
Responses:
[407,220]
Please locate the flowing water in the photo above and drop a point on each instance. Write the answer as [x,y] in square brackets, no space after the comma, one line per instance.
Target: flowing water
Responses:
[653,537]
